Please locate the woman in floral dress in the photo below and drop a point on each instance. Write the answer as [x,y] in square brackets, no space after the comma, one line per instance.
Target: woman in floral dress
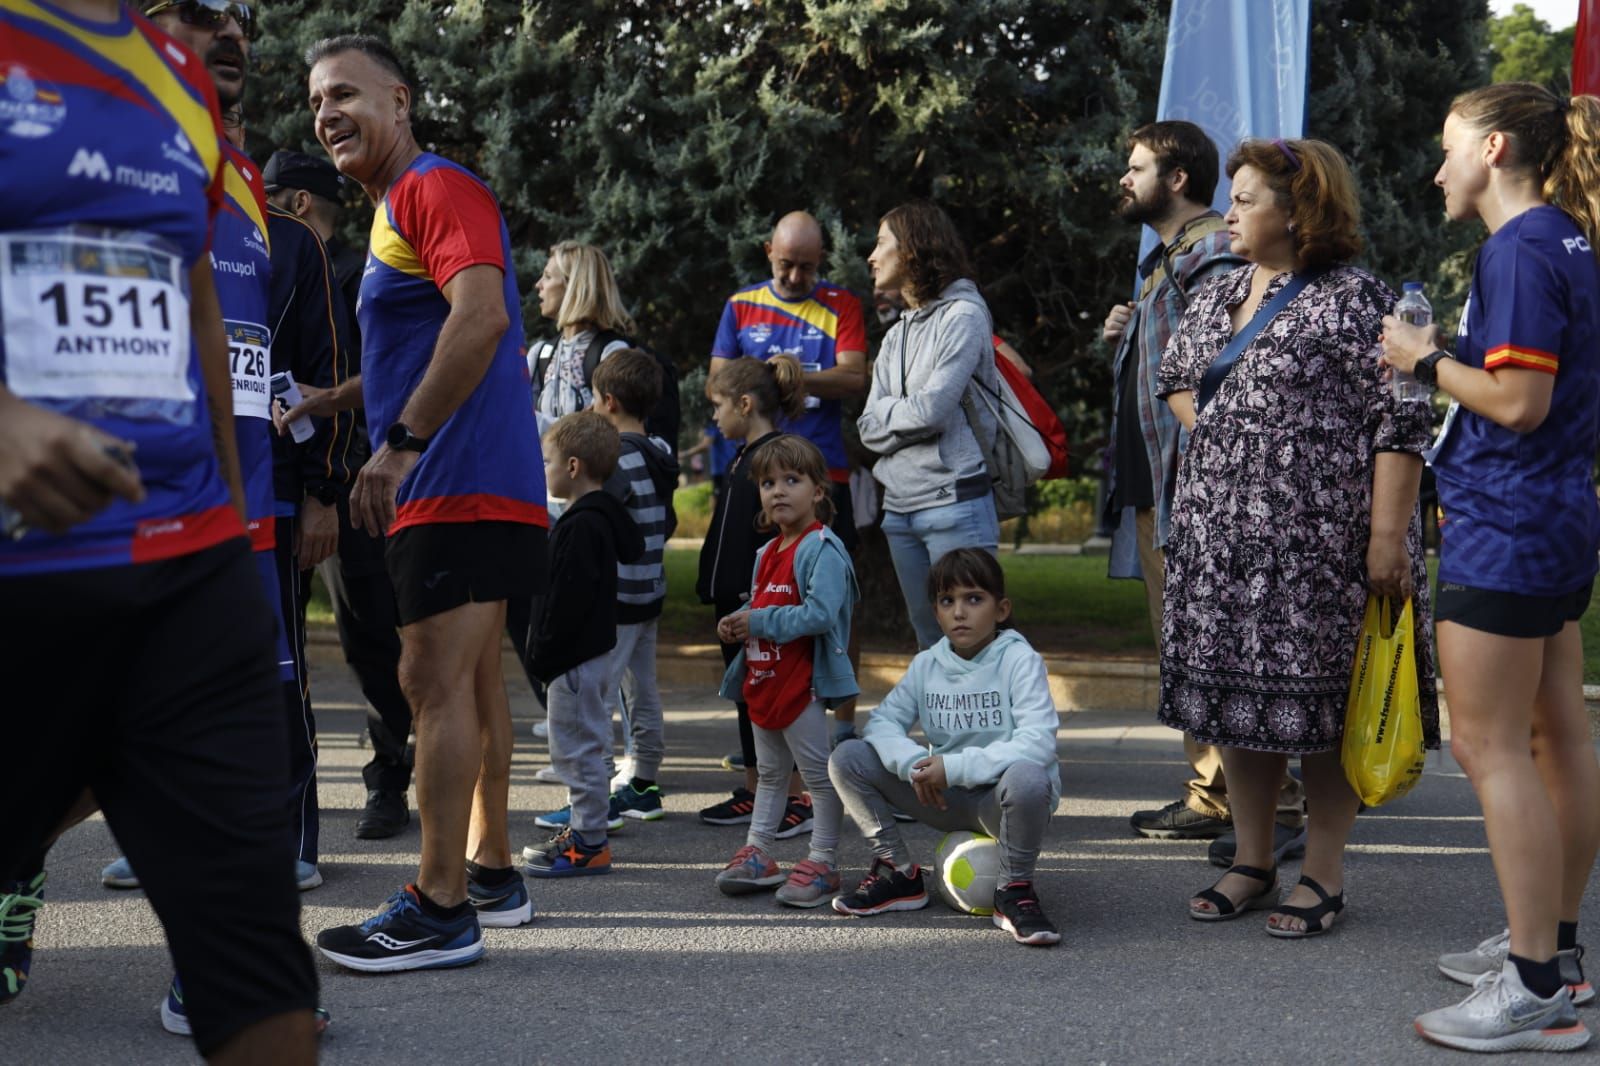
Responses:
[1296,495]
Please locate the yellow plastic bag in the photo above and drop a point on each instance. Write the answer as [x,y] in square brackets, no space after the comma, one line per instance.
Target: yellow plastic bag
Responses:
[1382,752]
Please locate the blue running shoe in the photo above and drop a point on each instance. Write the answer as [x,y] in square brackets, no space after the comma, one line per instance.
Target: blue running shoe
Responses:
[19,908]
[403,936]
[175,1017]
[563,818]
[501,906]
[119,875]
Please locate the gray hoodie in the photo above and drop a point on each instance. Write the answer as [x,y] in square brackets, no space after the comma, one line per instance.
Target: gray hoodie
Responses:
[913,416]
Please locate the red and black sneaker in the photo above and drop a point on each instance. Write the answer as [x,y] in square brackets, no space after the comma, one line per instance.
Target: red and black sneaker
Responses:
[884,889]
[796,817]
[735,810]
[1017,911]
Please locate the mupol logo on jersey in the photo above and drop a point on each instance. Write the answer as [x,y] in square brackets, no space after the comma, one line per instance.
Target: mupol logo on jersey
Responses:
[29,107]
[759,333]
[181,152]
[232,266]
[88,164]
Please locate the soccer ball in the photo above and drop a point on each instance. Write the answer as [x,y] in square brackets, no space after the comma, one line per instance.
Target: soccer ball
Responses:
[967,871]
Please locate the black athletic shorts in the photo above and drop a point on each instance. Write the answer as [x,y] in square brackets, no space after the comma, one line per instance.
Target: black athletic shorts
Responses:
[439,567]
[1508,614]
[156,686]
[844,516]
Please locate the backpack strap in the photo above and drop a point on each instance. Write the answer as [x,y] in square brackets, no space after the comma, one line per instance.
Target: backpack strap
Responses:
[1218,370]
[603,339]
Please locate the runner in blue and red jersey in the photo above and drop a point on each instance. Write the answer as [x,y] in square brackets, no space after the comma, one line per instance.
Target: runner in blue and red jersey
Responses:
[124,541]
[456,482]
[1518,537]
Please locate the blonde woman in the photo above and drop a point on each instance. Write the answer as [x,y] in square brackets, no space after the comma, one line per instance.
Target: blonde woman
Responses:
[578,292]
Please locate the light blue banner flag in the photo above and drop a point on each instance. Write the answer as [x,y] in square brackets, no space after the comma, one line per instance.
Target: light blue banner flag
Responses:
[1236,69]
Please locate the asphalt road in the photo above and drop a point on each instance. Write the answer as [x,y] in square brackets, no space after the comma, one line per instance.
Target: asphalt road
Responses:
[652,964]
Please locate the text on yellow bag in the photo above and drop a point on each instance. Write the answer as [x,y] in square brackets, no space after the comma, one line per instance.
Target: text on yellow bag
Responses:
[1383,752]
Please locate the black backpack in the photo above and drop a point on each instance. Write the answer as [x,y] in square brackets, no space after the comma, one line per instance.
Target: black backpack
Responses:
[667,419]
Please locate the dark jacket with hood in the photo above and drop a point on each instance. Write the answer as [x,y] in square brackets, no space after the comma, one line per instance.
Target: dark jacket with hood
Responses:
[729,550]
[578,621]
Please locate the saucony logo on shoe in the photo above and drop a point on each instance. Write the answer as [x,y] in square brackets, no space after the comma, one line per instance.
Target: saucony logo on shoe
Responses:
[386,941]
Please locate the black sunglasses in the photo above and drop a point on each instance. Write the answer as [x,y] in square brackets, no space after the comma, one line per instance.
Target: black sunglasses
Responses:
[210,14]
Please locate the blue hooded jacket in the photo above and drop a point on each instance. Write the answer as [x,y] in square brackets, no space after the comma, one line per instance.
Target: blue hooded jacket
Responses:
[828,593]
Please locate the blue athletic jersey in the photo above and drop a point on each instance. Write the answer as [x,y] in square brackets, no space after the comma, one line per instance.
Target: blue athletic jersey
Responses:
[483,464]
[112,162]
[1518,510]
[241,262]
[757,322]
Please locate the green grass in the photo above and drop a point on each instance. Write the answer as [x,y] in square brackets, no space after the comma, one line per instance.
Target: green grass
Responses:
[1064,604]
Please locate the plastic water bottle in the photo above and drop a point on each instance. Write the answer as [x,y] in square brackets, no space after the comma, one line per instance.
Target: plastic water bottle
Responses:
[1415,309]
[284,389]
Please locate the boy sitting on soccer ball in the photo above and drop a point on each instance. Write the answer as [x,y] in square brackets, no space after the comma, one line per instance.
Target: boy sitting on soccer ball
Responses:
[982,697]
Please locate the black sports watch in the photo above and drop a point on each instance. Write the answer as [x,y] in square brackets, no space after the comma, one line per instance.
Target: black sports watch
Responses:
[1426,370]
[401,439]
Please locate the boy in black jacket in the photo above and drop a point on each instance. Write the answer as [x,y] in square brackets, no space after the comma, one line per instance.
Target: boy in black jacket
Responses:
[577,628]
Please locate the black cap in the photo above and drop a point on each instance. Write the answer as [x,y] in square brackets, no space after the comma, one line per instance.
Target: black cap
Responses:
[296,170]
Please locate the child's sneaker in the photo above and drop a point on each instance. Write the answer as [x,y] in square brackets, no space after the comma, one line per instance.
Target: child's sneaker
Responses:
[624,774]
[884,889]
[563,818]
[503,906]
[549,775]
[734,762]
[19,910]
[646,806]
[750,870]
[734,810]
[810,884]
[796,817]
[1017,911]
[175,1016]
[567,856]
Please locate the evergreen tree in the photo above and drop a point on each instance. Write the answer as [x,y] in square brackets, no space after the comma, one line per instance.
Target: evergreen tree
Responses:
[1522,47]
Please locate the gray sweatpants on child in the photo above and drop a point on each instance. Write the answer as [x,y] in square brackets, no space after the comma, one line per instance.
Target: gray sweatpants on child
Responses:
[580,740]
[804,744]
[632,684]
[1014,810]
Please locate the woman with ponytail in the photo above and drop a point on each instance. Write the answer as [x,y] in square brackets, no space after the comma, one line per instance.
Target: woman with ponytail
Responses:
[1518,544]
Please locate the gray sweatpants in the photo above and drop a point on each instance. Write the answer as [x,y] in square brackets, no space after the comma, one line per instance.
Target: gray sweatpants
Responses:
[804,744]
[580,740]
[1014,810]
[631,686]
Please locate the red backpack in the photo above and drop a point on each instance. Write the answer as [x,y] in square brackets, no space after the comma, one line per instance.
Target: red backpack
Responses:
[1040,415]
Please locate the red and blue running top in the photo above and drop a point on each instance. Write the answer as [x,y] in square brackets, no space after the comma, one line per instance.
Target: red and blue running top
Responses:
[110,147]
[242,264]
[1518,511]
[483,464]
[757,322]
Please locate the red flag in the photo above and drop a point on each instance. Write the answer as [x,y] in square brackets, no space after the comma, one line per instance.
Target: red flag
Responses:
[1586,50]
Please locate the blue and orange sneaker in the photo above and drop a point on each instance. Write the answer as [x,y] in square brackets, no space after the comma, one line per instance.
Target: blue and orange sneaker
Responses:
[567,856]
[19,909]
[403,936]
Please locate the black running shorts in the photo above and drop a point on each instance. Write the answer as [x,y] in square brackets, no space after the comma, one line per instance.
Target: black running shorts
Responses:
[156,686]
[1508,614]
[439,567]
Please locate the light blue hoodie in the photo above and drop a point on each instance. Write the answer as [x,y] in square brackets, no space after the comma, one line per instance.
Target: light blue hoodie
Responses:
[981,714]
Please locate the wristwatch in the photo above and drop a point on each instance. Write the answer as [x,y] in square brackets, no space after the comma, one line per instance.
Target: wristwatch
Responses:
[401,439]
[1426,369]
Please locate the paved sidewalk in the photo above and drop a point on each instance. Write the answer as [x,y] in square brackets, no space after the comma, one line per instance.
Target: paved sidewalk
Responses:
[652,964]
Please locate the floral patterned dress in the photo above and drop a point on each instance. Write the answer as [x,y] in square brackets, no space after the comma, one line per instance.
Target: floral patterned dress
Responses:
[1266,562]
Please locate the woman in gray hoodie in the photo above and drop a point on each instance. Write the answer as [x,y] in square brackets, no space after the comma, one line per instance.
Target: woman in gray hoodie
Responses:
[937,495]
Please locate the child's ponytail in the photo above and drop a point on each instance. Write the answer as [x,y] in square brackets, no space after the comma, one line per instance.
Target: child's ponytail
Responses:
[776,385]
[1574,181]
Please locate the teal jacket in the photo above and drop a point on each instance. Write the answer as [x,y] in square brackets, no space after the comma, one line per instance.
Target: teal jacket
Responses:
[828,595]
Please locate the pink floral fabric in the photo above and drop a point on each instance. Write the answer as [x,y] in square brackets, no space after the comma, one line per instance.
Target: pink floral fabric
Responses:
[1266,564]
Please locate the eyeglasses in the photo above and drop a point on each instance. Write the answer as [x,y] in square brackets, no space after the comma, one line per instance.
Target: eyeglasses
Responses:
[210,14]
